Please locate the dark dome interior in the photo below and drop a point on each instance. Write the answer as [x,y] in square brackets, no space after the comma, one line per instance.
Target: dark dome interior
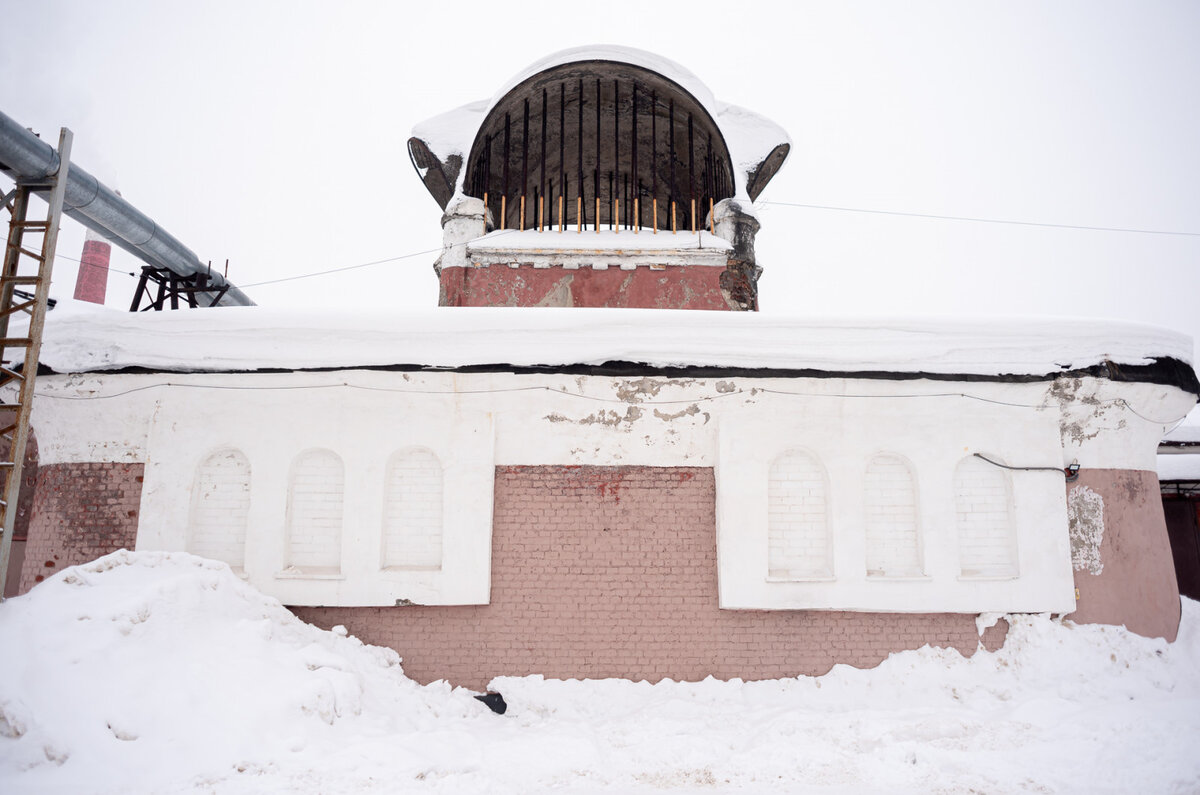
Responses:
[581,137]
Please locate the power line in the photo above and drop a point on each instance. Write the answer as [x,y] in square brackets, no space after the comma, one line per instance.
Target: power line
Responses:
[774,203]
[981,220]
[368,264]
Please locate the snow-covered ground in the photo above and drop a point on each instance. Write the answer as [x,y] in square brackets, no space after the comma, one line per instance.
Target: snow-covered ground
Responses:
[156,672]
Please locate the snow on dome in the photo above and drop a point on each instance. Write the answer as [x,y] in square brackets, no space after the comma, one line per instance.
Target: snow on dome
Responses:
[602,52]
[750,138]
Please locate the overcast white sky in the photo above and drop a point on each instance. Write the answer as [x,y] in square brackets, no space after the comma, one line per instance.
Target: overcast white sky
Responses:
[274,134]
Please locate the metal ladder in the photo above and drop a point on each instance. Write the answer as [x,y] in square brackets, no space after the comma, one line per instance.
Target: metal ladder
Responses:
[14,417]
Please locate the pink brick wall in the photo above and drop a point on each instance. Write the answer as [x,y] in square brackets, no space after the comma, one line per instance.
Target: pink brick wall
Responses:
[80,512]
[1137,587]
[611,572]
[673,287]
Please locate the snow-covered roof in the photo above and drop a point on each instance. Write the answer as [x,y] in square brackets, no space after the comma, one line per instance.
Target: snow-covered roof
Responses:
[1188,432]
[1180,466]
[80,338]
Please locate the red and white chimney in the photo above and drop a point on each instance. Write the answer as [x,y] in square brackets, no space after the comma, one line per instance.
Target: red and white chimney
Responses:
[92,281]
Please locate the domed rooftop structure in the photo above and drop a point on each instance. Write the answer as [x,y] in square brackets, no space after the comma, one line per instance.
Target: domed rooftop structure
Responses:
[610,140]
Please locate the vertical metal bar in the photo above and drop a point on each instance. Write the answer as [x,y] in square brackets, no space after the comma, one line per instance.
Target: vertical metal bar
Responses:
[524,160]
[542,181]
[562,149]
[692,171]
[596,171]
[616,148]
[711,184]
[654,153]
[671,129]
[579,219]
[504,193]
[612,197]
[637,216]
[625,199]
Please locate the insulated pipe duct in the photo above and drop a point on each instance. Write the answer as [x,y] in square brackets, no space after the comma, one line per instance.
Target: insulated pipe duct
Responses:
[24,156]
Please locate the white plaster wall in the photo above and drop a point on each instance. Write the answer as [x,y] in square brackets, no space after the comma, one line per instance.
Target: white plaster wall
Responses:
[987,541]
[220,508]
[932,435]
[412,514]
[272,426]
[474,422]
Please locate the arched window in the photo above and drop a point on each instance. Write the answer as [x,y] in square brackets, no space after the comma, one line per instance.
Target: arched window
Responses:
[987,544]
[797,518]
[892,535]
[412,511]
[220,508]
[314,517]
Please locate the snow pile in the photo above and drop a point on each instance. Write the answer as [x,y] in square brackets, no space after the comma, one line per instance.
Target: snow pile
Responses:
[253,338]
[152,672]
[616,242]
[141,671]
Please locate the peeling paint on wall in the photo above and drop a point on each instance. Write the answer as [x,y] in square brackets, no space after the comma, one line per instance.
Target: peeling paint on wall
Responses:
[1083,412]
[608,418]
[638,389]
[1085,518]
[691,411]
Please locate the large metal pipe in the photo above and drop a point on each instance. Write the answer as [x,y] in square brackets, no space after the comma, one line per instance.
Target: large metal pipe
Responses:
[90,202]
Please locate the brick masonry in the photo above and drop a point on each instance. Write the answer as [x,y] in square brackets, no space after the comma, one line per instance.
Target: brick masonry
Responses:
[673,287]
[611,572]
[1137,586]
[80,512]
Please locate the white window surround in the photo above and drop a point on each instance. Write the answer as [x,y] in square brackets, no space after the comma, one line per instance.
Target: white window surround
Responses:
[892,520]
[220,507]
[799,544]
[315,515]
[475,422]
[272,427]
[933,436]
[987,542]
[412,513]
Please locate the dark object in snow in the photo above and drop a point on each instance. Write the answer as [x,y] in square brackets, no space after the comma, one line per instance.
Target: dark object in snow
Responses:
[494,701]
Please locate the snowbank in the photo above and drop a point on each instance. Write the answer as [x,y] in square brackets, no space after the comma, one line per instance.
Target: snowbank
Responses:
[148,672]
[251,338]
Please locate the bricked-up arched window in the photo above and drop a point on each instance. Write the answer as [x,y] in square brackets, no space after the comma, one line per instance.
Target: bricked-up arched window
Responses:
[798,518]
[412,511]
[314,514]
[220,508]
[892,533]
[987,544]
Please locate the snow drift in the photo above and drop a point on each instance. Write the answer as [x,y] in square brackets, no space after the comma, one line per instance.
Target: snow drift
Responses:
[152,672]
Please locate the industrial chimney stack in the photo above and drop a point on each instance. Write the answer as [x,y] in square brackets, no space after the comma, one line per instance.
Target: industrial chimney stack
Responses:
[92,281]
